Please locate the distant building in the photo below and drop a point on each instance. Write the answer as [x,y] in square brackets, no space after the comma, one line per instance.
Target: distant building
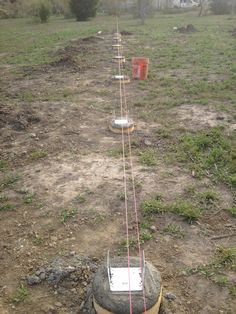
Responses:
[162,4]
[185,3]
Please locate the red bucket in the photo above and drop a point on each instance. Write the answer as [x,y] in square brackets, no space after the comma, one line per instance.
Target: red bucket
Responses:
[140,68]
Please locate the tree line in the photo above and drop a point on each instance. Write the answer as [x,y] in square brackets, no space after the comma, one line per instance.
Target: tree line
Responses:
[85,9]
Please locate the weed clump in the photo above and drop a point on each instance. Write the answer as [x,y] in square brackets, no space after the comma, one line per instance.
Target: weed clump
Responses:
[148,157]
[182,208]
[68,213]
[232,211]
[210,153]
[20,295]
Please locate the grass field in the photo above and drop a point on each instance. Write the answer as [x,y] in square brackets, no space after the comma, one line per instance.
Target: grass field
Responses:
[61,184]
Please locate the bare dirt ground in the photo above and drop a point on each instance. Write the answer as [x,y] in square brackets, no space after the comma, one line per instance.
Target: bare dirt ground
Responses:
[59,152]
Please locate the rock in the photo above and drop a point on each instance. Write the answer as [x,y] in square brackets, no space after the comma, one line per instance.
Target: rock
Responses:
[170,296]
[55,276]
[183,273]
[42,276]
[58,304]
[39,271]
[147,142]
[49,309]
[33,135]
[153,229]
[33,280]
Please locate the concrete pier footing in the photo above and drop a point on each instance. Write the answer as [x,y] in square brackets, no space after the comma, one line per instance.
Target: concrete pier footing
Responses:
[110,302]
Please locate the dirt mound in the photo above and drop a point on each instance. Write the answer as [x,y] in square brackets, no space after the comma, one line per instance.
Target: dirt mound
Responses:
[65,274]
[72,56]
[66,61]
[91,39]
[126,33]
[17,120]
[186,29]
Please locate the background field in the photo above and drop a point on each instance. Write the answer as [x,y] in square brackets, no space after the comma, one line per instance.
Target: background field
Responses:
[61,185]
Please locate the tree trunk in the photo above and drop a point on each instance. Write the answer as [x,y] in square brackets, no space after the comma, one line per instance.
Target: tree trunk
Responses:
[141,10]
[233,6]
[201,8]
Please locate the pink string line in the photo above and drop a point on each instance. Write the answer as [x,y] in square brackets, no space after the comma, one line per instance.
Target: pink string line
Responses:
[125,184]
[135,207]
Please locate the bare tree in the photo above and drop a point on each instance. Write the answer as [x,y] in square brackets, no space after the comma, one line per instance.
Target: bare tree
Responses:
[201,5]
[233,7]
[144,9]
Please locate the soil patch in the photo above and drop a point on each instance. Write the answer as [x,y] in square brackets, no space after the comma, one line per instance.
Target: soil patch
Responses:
[186,29]
[18,120]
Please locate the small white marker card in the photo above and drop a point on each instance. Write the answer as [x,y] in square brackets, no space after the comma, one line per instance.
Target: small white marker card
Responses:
[119,279]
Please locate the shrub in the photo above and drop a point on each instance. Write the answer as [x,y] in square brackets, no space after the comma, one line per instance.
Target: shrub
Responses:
[220,6]
[83,9]
[44,13]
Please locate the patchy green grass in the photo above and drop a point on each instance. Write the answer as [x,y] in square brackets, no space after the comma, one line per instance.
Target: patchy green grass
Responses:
[232,211]
[79,199]
[217,270]
[3,166]
[115,152]
[145,236]
[153,206]
[173,230]
[28,198]
[185,209]
[38,154]
[207,198]
[6,207]
[68,213]
[20,295]
[8,181]
[148,157]
[209,153]
[3,198]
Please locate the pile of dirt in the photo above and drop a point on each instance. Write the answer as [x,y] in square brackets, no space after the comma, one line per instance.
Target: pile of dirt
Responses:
[18,120]
[186,29]
[126,33]
[91,39]
[66,61]
[64,275]
[68,57]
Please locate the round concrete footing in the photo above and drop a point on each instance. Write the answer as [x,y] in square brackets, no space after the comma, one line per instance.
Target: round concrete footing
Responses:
[107,302]
[117,46]
[121,78]
[119,59]
[119,124]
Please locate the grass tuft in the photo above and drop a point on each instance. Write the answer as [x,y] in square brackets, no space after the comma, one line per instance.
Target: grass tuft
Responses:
[232,211]
[148,157]
[8,181]
[210,153]
[173,230]
[37,154]
[20,295]
[68,213]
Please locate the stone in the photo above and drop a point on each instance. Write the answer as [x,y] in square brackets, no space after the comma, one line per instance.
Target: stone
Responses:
[55,276]
[42,276]
[58,304]
[33,280]
[147,142]
[170,296]
[153,229]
